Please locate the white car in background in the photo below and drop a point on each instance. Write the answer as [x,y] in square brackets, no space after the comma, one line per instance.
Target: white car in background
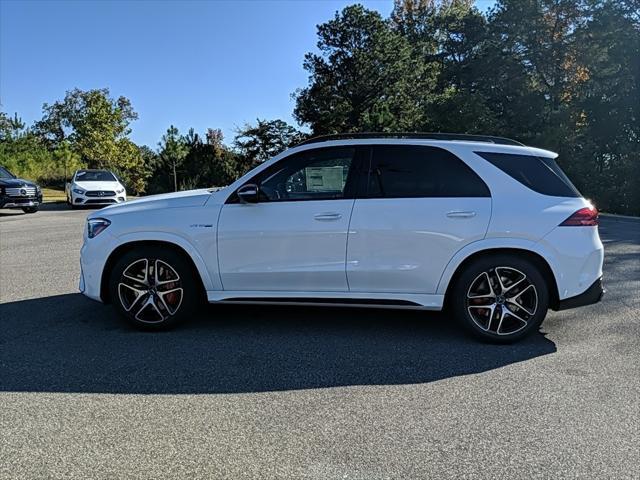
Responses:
[94,187]
[489,227]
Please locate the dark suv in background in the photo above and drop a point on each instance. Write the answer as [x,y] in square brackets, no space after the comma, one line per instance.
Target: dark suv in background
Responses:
[18,193]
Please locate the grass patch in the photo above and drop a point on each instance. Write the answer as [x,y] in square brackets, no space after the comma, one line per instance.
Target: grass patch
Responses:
[56,194]
[53,195]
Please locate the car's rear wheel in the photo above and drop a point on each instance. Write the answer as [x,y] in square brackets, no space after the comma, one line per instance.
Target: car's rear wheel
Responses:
[153,288]
[500,298]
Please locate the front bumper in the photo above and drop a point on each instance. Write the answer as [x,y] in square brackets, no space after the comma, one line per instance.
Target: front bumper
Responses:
[93,257]
[77,199]
[20,202]
[591,295]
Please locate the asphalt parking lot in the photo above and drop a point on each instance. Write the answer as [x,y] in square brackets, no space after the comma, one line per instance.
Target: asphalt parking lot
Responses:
[318,393]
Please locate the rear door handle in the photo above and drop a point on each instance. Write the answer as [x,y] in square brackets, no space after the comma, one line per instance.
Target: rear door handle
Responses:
[461,214]
[327,216]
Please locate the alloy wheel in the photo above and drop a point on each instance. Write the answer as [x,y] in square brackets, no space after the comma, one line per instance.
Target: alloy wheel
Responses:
[502,300]
[150,290]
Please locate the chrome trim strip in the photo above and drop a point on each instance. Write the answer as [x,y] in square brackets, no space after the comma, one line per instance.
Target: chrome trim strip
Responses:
[19,205]
[17,191]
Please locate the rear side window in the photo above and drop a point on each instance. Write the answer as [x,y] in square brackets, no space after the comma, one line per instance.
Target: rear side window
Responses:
[408,171]
[540,174]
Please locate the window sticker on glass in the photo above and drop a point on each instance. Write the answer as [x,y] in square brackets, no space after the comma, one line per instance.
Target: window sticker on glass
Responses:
[324,179]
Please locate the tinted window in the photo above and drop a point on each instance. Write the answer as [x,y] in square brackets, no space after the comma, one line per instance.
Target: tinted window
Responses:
[319,174]
[399,171]
[540,174]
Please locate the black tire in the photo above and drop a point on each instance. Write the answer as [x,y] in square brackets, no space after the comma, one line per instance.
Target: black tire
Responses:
[30,209]
[123,297]
[478,285]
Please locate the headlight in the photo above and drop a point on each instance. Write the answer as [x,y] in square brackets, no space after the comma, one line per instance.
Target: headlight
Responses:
[96,225]
[79,191]
[120,191]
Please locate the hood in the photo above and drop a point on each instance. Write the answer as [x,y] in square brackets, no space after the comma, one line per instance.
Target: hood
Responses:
[98,185]
[16,182]
[189,198]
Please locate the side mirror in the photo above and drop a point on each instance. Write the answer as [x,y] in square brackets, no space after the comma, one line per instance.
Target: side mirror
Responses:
[248,193]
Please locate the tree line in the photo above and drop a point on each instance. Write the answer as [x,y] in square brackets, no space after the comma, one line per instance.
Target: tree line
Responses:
[557,74]
[90,129]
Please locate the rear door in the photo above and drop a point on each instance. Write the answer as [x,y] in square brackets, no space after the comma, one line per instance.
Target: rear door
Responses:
[418,205]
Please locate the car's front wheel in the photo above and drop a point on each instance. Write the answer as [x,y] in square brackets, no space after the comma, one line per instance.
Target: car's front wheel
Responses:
[500,298]
[30,209]
[153,288]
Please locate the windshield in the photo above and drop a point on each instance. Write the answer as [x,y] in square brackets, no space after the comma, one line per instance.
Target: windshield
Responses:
[4,173]
[94,176]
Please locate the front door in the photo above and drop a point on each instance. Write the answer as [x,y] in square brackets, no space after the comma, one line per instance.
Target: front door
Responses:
[295,237]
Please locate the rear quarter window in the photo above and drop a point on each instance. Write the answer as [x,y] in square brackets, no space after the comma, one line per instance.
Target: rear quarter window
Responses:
[540,174]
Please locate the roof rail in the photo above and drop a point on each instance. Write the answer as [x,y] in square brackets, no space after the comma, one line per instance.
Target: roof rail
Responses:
[421,136]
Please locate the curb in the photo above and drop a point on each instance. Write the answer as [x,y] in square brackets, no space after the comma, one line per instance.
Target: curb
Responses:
[614,216]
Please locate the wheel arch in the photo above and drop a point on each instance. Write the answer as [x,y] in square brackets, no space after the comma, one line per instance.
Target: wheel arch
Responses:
[129,246]
[535,258]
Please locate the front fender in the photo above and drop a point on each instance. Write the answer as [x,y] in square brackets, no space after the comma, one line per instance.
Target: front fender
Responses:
[209,280]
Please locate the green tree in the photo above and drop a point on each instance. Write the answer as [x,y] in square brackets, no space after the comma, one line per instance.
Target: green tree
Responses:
[558,74]
[173,150]
[11,128]
[96,127]
[91,121]
[364,78]
[206,163]
[266,139]
[65,160]
[605,153]
[447,36]
[210,163]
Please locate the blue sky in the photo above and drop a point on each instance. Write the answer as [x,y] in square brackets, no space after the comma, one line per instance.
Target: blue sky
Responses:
[189,63]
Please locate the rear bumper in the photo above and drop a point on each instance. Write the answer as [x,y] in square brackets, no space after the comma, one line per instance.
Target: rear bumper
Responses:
[591,295]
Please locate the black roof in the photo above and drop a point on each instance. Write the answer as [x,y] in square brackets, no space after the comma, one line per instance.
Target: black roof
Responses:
[413,135]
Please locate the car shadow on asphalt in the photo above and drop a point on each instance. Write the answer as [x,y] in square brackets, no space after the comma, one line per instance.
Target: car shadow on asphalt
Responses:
[48,207]
[68,343]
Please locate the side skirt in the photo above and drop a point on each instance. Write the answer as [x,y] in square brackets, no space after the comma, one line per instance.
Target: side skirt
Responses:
[354,299]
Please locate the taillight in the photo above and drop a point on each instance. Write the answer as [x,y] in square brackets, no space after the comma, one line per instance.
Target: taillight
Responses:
[585,217]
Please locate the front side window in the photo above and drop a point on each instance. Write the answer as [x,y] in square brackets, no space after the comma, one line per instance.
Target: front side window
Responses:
[409,171]
[320,174]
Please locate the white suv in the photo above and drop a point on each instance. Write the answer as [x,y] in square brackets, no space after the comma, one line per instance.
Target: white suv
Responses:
[488,227]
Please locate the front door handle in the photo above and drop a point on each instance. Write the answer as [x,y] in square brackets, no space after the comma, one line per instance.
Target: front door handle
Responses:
[461,214]
[327,216]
